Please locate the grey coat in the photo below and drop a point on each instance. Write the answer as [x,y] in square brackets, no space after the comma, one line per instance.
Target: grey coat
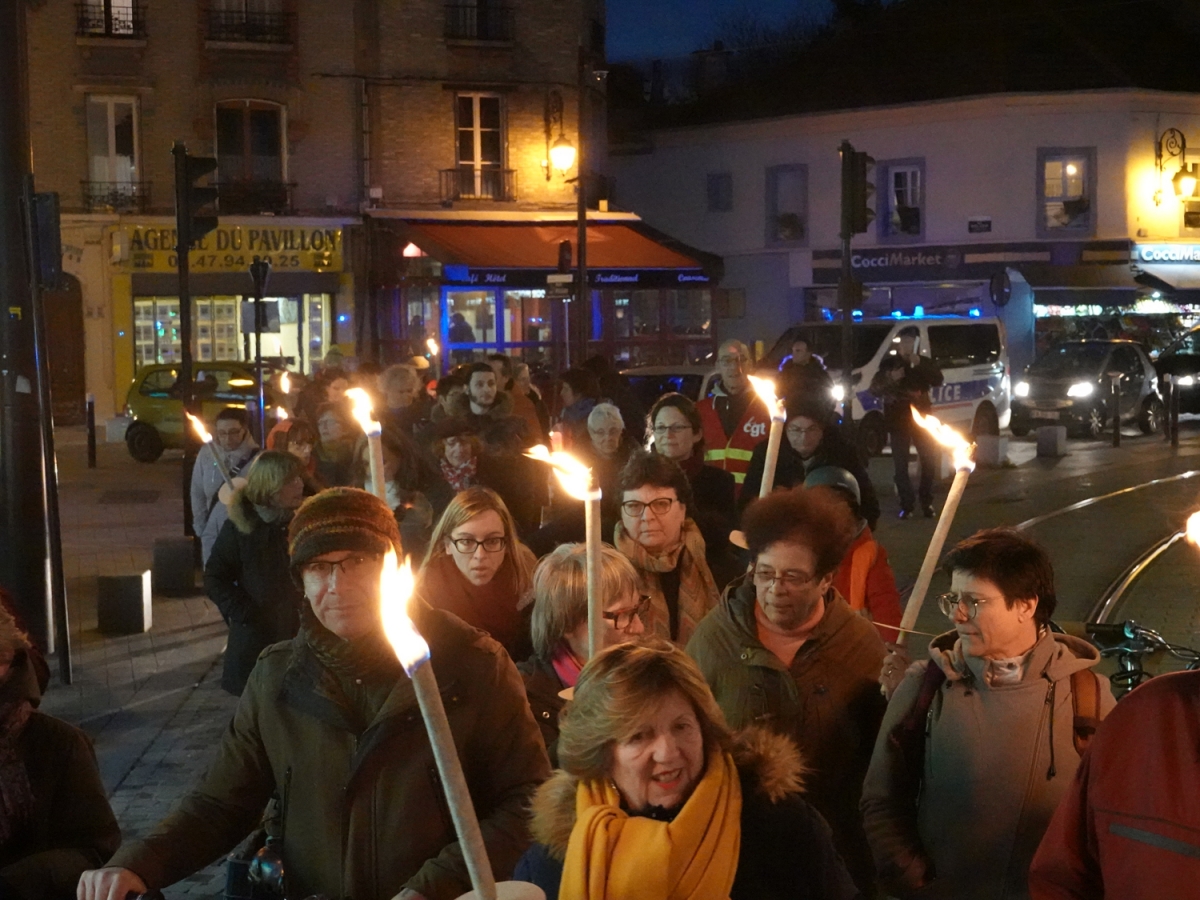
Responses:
[209,513]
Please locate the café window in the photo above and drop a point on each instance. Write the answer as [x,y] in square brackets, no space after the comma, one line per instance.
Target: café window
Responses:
[903,200]
[787,204]
[1066,191]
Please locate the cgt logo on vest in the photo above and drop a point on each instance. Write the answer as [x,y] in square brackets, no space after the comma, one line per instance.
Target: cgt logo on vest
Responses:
[755,428]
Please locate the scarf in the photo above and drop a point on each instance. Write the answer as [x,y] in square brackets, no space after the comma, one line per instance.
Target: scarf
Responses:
[460,477]
[612,855]
[697,591]
[16,793]
[566,666]
[493,607]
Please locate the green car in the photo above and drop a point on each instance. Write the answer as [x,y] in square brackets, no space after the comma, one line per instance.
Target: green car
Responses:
[157,410]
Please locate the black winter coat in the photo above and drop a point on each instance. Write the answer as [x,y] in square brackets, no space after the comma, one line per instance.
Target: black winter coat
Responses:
[912,390]
[542,687]
[248,577]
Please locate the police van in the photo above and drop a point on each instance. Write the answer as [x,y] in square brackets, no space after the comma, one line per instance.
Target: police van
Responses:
[970,350]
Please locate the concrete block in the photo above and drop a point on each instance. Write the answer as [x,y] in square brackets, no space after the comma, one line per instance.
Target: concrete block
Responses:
[1052,440]
[991,450]
[175,566]
[115,428]
[123,603]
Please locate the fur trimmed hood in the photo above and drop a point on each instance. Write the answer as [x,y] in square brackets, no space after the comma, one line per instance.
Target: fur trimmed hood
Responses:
[770,761]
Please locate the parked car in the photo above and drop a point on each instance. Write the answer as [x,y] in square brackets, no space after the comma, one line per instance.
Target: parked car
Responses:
[155,405]
[971,352]
[1070,385]
[1181,360]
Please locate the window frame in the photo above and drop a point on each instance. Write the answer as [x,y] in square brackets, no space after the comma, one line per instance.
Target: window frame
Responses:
[719,187]
[247,104]
[476,164]
[109,100]
[886,201]
[771,196]
[1090,180]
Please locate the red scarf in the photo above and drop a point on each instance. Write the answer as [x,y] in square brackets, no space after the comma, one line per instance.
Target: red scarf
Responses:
[16,794]
[460,477]
[492,607]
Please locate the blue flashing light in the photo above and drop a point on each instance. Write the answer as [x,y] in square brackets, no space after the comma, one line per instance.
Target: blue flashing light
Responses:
[975,312]
[896,314]
[918,312]
[856,313]
[827,314]
[342,318]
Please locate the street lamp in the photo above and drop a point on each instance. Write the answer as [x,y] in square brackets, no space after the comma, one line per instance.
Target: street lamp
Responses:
[562,154]
[1169,144]
[1185,180]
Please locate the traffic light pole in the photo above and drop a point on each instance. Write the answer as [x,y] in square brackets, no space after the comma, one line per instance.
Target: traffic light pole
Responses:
[185,385]
[856,217]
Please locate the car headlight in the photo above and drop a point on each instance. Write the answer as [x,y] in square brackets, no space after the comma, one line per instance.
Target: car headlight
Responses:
[1185,381]
[1081,389]
[838,392]
[1022,389]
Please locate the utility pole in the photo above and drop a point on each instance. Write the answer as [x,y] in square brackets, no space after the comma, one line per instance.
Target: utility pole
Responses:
[260,271]
[583,295]
[23,562]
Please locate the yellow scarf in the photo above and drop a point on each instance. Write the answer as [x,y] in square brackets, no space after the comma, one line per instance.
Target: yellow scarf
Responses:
[614,856]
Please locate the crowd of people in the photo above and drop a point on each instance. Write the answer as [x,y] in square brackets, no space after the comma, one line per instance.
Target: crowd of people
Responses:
[747,727]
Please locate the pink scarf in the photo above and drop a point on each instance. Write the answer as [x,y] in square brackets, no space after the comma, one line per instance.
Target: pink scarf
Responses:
[566,665]
[460,477]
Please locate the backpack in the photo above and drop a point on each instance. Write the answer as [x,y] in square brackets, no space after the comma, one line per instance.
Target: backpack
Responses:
[908,736]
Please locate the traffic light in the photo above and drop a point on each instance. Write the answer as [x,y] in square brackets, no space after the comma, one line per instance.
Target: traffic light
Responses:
[857,191]
[191,200]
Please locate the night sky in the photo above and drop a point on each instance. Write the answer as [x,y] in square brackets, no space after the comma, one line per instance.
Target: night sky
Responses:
[647,29]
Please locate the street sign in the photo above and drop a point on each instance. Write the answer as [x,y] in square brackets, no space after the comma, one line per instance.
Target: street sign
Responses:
[560,278]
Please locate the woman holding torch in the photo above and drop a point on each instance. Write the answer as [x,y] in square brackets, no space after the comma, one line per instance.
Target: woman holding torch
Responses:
[331,720]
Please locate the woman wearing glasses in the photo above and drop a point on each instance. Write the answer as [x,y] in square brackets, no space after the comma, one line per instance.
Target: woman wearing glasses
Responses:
[478,570]
[657,534]
[560,626]
[785,651]
[980,743]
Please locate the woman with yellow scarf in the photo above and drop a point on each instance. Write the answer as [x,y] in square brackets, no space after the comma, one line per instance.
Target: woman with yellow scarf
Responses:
[657,800]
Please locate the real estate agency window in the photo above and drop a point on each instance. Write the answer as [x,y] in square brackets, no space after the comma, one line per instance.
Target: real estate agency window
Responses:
[903,213]
[479,123]
[250,142]
[787,204]
[1066,191]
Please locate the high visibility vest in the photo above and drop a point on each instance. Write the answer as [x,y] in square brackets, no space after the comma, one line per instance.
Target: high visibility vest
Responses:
[733,453]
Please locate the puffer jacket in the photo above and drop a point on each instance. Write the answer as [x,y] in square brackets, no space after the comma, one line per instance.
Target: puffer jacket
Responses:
[366,813]
[997,760]
[828,701]
[208,512]
[786,850]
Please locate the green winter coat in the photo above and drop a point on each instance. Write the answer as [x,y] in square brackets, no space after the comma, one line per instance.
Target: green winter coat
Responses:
[366,815]
[828,702]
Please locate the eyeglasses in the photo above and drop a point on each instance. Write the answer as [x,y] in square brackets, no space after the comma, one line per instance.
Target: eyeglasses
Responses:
[623,619]
[731,360]
[672,430]
[950,601]
[790,580]
[351,566]
[468,545]
[800,432]
[230,432]
[606,433]
[635,508]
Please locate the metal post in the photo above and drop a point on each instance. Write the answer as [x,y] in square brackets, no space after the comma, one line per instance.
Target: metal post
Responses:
[22,511]
[1174,414]
[846,291]
[582,293]
[1115,403]
[1168,390]
[185,386]
[91,430]
[260,271]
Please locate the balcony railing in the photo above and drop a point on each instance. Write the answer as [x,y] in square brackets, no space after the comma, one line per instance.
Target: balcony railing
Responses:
[252,198]
[466,183]
[478,22]
[94,18]
[250,27]
[116,196]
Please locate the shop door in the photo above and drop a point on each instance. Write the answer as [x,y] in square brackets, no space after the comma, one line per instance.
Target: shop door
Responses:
[64,339]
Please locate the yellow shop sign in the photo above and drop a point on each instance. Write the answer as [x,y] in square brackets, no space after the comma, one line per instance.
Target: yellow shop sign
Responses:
[232,248]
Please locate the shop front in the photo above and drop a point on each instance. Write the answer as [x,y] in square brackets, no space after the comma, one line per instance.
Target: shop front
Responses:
[479,287]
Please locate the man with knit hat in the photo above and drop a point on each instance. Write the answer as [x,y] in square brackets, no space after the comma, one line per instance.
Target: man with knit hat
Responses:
[329,725]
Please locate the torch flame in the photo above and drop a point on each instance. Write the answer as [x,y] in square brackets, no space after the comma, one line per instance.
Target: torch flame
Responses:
[574,476]
[960,448]
[434,350]
[285,383]
[280,413]
[765,388]
[201,431]
[396,584]
[362,410]
[1193,528]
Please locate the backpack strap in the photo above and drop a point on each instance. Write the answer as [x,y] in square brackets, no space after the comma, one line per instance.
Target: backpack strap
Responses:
[1085,698]
[908,736]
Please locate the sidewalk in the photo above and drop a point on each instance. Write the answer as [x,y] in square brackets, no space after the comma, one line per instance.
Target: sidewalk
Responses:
[151,702]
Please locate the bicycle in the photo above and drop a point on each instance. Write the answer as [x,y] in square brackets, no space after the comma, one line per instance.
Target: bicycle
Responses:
[1130,643]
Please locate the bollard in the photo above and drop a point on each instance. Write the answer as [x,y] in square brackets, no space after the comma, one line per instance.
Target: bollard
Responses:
[91,428]
[1115,403]
[1174,413]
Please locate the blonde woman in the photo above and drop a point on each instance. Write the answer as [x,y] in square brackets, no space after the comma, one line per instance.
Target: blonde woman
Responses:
[478,570]
[559,626]
[656,798]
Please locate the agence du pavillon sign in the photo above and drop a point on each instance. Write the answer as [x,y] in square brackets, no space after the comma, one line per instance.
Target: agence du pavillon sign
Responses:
[232,248]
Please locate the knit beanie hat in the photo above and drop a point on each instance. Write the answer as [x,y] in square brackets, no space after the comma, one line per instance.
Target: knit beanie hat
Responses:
[341,518]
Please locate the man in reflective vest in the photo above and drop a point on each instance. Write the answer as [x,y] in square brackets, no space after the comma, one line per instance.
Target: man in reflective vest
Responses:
[734,417]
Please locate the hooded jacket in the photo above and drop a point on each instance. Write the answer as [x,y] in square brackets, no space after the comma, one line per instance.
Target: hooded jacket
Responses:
[366,815]
[786,849]
[828,701]
[209,513]
[997,761]
[247,577]
[71,827]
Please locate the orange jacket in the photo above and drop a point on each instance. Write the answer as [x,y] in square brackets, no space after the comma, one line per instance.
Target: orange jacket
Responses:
[865,579]
[733,453]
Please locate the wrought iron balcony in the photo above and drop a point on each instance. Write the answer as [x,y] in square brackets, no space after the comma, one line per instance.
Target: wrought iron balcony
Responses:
[116,196]
[252,198]
[96,18]
[467,183]
[478,22]
[250,27]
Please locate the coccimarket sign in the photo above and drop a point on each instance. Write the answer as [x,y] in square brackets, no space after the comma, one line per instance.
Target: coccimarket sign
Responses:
[232,248]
